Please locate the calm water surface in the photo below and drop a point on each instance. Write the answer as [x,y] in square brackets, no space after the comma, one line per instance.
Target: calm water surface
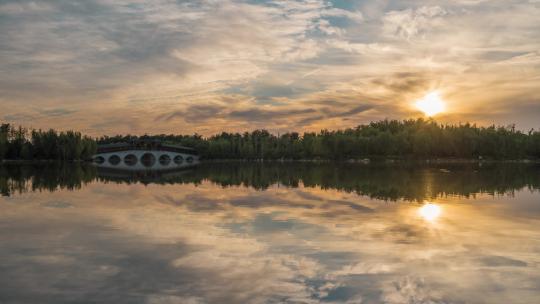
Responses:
[271,233]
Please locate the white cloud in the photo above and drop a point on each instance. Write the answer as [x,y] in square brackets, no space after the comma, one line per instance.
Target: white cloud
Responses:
[411,23]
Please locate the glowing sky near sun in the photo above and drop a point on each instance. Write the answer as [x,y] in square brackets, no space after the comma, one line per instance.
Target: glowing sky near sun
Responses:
[158,66]
[431,104]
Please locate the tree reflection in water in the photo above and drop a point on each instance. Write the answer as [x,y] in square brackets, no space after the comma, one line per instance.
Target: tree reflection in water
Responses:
[405,181]
[205,235]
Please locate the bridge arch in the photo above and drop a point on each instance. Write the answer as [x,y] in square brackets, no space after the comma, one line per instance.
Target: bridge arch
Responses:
[164,159]
[178,159]
[114,159]
[148,159]
[131,159]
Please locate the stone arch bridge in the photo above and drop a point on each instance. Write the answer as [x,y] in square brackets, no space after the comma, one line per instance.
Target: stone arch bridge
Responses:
[144,156]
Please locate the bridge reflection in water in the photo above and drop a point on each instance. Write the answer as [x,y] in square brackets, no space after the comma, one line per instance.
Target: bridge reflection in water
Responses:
[144,155]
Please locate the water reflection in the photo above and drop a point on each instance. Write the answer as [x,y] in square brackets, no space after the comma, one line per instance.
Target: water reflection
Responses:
[411,182]
[430,211]
[294,233]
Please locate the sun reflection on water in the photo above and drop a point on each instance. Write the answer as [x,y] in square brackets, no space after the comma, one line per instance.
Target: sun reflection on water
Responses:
[430,212]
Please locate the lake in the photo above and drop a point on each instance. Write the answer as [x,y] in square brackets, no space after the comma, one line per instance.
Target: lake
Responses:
[271,233]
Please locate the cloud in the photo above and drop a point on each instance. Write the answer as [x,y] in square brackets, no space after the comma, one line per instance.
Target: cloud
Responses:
[194,113]
[57,112]
[159,65]
[411,289]
[411,23]
[24,117]
[501,261]
[309,120]
[258,117]
[258,114]
[353,111]
[403,82]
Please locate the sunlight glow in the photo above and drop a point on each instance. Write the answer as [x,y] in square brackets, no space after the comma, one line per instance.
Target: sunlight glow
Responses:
[431,104]
[430,212]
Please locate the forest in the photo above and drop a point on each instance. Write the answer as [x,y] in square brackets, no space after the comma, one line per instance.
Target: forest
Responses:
[413,138]
[406,139]
[18,143]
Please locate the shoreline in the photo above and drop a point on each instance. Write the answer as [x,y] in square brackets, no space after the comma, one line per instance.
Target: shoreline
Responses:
[284,160]
[379,161]
[26,161]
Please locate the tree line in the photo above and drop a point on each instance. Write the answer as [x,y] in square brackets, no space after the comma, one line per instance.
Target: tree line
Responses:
[20,143]
[413,138]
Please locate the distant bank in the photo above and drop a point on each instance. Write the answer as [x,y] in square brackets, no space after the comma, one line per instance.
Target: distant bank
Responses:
[392,140]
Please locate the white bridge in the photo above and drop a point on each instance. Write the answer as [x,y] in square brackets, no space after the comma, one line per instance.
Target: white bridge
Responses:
[144,155]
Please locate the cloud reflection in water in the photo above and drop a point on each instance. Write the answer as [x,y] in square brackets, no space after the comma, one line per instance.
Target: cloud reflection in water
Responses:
[205,243]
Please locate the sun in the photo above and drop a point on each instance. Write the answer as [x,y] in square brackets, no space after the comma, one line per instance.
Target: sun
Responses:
[431,104]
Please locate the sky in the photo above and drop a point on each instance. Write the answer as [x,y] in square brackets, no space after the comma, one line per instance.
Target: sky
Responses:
[118,66]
